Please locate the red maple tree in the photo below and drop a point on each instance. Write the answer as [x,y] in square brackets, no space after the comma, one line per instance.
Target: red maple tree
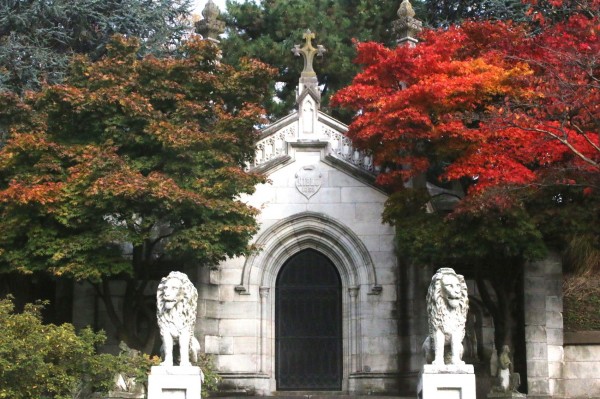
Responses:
[493,101]
[511,111]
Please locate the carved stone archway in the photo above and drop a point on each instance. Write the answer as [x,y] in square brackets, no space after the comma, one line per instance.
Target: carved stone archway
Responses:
[311,230]
[315,231]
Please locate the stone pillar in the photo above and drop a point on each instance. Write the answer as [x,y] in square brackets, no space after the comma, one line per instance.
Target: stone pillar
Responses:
[544,327]
[264,313]
[176,382]
[447,382]
[354,331]
[412,310]
[406,27]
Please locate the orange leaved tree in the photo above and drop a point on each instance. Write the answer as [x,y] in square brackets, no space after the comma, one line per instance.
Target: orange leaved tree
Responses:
[131,168]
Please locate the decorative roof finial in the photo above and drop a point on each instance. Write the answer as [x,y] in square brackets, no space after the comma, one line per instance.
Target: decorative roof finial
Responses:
[406,9]
[210,27]
[308,52]
[407,27]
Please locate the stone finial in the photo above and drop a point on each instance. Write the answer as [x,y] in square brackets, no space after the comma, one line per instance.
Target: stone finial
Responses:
[406,10]
[406,27]
[210,27]
[308,52]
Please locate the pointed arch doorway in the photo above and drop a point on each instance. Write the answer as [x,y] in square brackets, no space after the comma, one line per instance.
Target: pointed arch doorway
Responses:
[308,324]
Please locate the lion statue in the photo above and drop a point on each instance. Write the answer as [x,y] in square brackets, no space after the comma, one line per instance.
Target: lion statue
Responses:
[177,300]
[447,307]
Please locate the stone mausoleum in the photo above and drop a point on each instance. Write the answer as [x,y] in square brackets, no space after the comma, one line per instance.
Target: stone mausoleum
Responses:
[316,307]
[328,304]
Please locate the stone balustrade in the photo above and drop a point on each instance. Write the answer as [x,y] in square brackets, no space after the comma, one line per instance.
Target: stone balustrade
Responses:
[339,146]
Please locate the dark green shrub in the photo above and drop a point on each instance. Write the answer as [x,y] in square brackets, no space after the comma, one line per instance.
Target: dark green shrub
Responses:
[211,378]
[48,361]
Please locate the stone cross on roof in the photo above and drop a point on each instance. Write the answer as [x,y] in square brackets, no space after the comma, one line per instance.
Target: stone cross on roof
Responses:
[308,52]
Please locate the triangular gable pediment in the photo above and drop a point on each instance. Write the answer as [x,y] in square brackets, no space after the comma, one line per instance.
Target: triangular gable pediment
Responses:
[278,143]
[309,92]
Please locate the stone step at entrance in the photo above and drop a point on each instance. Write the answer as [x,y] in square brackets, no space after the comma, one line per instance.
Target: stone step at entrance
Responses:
[313,395]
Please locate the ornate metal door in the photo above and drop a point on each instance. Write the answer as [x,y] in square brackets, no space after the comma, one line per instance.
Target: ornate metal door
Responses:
[308,317]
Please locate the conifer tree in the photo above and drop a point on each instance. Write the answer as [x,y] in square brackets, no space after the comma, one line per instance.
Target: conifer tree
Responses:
[268,30]
[38,36]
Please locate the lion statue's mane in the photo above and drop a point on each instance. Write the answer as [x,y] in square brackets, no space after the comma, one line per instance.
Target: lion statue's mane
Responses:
[179,319]
[446,319]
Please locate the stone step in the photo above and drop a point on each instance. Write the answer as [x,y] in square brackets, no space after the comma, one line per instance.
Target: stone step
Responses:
[313,395]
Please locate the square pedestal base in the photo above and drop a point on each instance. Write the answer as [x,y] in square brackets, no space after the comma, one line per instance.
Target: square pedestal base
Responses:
[174,382]
[447,382]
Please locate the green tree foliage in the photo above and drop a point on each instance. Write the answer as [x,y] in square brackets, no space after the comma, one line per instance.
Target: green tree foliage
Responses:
[38,36]
[211,377]
[49,361]
[442,13]
[269,29]
[485,241]
[137,156]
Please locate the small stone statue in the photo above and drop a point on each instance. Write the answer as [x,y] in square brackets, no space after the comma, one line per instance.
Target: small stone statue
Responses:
[504,368]
[177,300]
[447,307]
[507,381]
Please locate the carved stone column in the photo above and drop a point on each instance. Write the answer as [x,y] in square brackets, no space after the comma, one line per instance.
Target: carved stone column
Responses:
[354,336]
[264,343]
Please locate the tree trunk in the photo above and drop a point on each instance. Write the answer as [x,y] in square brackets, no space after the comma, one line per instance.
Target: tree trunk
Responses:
[501,303]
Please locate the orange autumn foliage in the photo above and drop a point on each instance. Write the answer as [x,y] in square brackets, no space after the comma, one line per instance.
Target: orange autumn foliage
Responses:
[124,148]
[494,102]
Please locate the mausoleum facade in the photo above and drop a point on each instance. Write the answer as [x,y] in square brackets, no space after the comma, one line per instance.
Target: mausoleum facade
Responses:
[315,307]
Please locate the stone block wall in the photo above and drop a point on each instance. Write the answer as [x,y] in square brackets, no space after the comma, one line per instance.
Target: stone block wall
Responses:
[544,328]
[581,372]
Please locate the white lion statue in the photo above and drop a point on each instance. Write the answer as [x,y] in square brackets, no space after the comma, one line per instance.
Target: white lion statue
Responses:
[177,300]
[447,307]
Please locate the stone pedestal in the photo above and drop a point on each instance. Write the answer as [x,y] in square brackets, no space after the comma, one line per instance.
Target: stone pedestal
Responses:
[174,382]
[447,382]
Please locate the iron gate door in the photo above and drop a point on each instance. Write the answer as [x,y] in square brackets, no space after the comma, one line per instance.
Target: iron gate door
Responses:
[308,319]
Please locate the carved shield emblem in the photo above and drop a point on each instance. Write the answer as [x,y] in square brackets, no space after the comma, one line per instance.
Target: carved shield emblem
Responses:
[308,180]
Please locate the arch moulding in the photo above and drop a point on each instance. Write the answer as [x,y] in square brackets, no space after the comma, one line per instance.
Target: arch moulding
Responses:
[303,231]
